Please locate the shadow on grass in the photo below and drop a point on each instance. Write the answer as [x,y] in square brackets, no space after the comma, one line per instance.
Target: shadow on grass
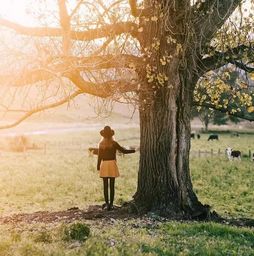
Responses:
[93,212]
[238,222]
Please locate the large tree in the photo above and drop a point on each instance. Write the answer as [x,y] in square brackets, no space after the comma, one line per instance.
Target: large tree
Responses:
[153,52]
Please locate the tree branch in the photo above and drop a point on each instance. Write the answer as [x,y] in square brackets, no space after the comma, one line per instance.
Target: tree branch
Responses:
[106,31]
[31,31]
[139,12]
[91,34]
[105,62]
[242,115]
[65,25]
[27,77]
[242,66]
[39,109]
[220,59]
[76,8]
[104,46]
[209,16]
[69,65]
[102,90]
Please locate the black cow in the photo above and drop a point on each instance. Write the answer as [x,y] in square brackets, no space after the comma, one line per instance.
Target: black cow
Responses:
[198,136]
[235,134]
[213,137]
[192,135]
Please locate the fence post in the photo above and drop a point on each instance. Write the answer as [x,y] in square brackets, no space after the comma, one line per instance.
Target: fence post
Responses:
[199,153]
[219,151]
[212,152]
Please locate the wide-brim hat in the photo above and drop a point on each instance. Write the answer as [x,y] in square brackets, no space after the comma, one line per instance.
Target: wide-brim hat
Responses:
[107,132]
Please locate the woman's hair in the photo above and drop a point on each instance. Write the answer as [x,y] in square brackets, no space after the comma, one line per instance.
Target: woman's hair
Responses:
[106,142]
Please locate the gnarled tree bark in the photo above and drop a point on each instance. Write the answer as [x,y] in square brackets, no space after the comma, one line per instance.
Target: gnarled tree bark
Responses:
[164,180]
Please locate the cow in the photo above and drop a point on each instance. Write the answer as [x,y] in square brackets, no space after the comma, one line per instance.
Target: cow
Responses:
[233,154]
[213,137]
[235,134]
[192,135]
[198,136]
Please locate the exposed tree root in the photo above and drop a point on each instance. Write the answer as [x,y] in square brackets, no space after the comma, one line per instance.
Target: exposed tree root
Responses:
[198,212]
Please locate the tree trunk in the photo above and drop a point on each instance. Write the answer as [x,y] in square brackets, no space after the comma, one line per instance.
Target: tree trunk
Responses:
[206,122]
[164,182]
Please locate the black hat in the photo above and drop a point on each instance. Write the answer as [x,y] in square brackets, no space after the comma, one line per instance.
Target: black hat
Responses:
[107,132]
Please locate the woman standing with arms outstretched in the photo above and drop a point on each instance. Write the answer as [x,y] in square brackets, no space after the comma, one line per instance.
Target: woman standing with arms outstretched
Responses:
[107,164]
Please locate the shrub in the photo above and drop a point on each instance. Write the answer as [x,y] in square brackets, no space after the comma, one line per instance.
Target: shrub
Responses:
[76,231]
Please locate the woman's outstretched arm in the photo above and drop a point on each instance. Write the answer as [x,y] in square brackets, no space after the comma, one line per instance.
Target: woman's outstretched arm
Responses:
[124,150]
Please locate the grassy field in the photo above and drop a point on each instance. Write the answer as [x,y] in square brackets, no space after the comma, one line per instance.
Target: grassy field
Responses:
[61,175]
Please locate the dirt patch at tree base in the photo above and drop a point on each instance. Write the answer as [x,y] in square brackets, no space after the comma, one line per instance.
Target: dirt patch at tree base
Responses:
[95,212]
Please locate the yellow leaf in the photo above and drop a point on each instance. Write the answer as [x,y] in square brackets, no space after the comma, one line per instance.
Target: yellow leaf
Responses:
[250,109]
[154,18]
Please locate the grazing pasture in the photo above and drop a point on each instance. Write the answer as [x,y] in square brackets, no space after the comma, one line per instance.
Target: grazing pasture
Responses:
[61,175]
[243,143]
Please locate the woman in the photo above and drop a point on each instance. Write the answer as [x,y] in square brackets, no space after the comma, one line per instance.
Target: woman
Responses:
[107,164]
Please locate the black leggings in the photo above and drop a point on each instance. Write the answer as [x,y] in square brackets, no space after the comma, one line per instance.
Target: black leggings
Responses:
[112,189]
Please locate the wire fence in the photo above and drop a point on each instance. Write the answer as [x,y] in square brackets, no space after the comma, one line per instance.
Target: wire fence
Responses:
[212,152]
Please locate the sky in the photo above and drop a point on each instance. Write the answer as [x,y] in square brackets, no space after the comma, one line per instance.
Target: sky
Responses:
[15,10]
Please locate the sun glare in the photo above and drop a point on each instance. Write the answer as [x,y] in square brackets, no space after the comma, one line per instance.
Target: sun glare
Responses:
[17,11]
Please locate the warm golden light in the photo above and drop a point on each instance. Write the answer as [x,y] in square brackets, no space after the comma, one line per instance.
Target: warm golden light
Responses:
[17,11]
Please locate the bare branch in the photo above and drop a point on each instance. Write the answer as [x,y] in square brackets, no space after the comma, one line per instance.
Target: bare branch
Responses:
[7,109]
[76,8]
[105,62]
[39,109]
[133,5]
[107,30]
[27,77]
[63,13]
[31,31]
[139,12]
[91,34]
[102,90]
[69,65]
[104,46]
[65,25]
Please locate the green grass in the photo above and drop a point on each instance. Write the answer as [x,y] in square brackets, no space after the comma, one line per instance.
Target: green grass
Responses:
[225,185]
[125,238]
[62,176]
[244,143]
